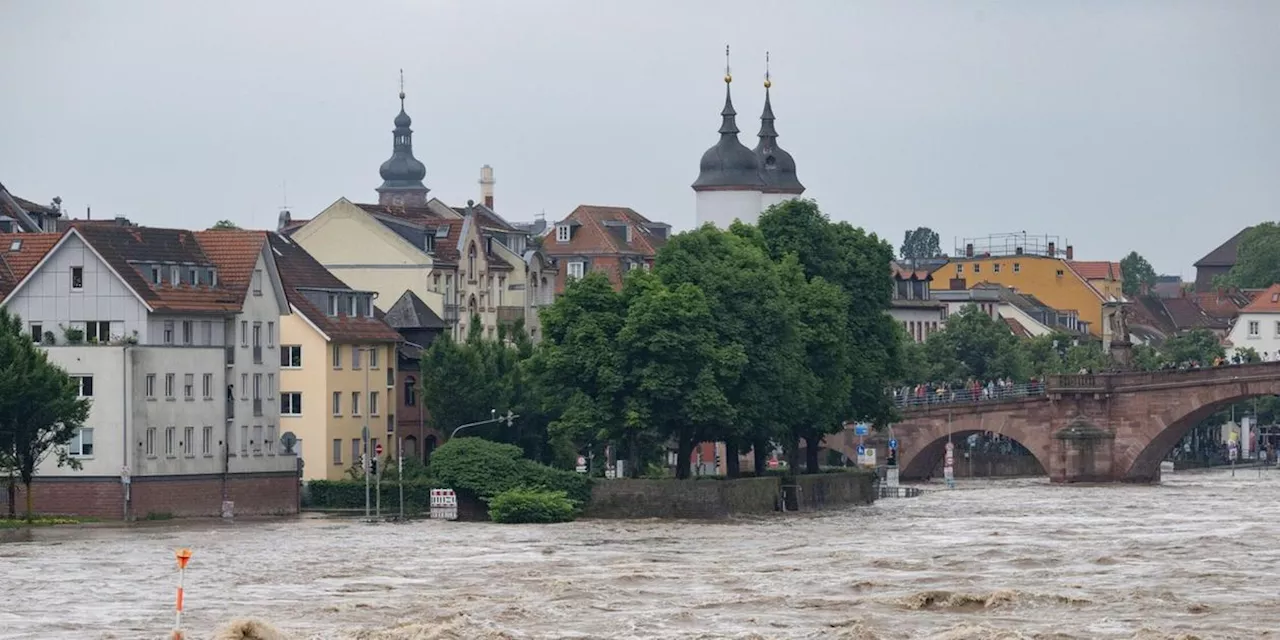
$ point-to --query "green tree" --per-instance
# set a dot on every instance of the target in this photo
(455, 388)
(225, 224)
(1197, 345)
(1137, 274)
(920, 244)
(822, 385)
(973, 345)
(1257, 258)
(40, 407)
(676, 369)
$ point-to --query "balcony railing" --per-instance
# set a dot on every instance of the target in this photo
(509, 315)
(257, 407)
(231, 408)
(231, 355)
(257, 354)
(450, 313)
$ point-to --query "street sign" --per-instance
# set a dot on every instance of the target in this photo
(893, 444)
(862, 450)
(444, 504)
(582, 465)
(861, 429)
(870, 458)
(377, 449)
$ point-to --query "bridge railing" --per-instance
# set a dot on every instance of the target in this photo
(1108, 382)
(965, 395)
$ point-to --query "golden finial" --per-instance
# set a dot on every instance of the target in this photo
(728, 77)
(767, 82)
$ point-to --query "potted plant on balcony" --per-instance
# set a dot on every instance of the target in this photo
(72, 334)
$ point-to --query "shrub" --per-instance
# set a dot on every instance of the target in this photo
(576, 486)
(349, 494)
(519, 506)
(479, 467)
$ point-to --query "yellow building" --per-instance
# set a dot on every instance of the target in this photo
(337, 366)
(1036, 267)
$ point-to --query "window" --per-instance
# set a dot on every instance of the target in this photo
(291, 356)
(562, 232)
(576, 269)
(257, 282)
(212, 275)
(97, 331)
(977, 268)
(410, 391)
(244, 333)
(355, 403)
(168, 332)
(373, 403)
(471, 262)
(355, 357)
(81, 445)
(206, 441)
(170, 437)
(337, 356)
(257, 334)
(257, 386)
(355, 450)
(168, 385)
(244, 439)
(208, 332)
(37, 332)
(189, 442)
(208, 386)
(1017, 267)
(337, 451)
(175, 276)
(189, 386)
(84, 386)
(271, 335)
(150, 442)
(244, 386)
(257, 439)
(291, 403)
(373, 358)
(151, 385)
(188, 332)
(193, 276)
(502, 284)
(1059, 274)
(155, 275)
(333, 305)
(1278, 328)
(429, 243)
(77, 278)
(959, 268)
(337, 403)
(271, 386)
(1253, 328)
(269, 443)
(996, 267)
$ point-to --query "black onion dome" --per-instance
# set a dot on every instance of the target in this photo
(777, 167)
(729, 163)
(402, 170)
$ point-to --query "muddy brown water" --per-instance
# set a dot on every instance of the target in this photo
(1196, 557)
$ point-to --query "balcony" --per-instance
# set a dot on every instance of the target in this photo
(257, 354)
(231, 355)
(450, 314)
(257, 407)
(391, 377)
(231, 408)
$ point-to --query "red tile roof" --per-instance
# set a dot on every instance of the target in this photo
(1221, 305)
(236, 252)
(1016, 327)
(592, 236)
(1268, 301)
(1096, 269)
(299, 271)
(15, 264)
(903, 273)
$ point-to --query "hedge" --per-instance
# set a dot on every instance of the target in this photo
(485, 469)
(349, 494)
(519, 506)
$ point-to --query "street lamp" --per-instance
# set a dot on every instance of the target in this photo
(510, 419)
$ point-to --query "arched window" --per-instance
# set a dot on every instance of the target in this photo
(411, 446)
(471, 261)
(410, 391)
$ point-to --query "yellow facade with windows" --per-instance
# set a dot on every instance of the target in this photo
(334, 400)
(1051, 280)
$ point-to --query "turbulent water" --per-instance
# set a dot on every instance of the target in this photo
(1197, 557)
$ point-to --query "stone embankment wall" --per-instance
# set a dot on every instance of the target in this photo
(993, 465)
(711, 499)
(254, 494)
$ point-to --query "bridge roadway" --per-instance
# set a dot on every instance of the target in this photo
(1114, 427)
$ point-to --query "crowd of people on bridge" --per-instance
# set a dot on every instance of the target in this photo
(970, 391)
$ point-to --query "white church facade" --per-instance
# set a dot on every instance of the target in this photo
(737, 183)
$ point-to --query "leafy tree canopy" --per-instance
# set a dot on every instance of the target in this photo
(1137, 274)
(225, 224)
(1257, 258)
(920, 244)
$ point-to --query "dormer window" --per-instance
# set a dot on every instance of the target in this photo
(333, 305)
(471, 260)
(155, 275)
(16, 245)
(429, 243)
(563, 232)
(628, 234)
(175, 276)
(213, 278)
(351, 306)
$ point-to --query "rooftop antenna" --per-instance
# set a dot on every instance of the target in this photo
(402, 89)
(767, 82)
(728, 77)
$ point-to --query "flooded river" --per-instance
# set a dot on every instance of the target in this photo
(1198, 557)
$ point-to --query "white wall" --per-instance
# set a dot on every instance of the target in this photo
(106, 412)
(721, 208)
(1033, 326)
(161, 412)
(1267, 339)
(925, 317)
(264, 308)
(769, 199)
(47, 296)
(207, 331)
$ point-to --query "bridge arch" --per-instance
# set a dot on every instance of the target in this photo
(1173, 413)
(929, 456)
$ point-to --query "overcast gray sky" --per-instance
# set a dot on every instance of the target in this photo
(1148, 125)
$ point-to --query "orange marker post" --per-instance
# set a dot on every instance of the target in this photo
(183, 556)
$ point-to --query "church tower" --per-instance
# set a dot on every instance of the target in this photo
(402, 174)
(729, 183)
(777, 167)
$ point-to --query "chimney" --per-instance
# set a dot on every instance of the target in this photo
(88, 213)
(1071, 255)
(1017, 251)
(486, 185)
(957, 284)
(968, 250)
(1053, 250)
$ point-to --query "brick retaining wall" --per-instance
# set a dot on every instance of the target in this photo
(177, 496)
(711, 499)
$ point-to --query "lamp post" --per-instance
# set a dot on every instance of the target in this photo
(365, 437)
(510, 419)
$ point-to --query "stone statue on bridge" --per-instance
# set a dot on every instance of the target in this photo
(1121, 346)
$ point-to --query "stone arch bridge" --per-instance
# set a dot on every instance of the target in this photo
(1085, 428)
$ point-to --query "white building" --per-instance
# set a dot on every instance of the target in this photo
(172, 334)
(737, 183)
(913, 305)
(1257, 326)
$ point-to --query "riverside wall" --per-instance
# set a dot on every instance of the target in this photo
(715, 499)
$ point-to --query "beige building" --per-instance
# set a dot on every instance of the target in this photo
(337, 367)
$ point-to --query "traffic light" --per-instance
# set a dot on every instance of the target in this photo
(373, 466)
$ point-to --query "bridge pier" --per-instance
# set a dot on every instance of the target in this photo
(1083, 452)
